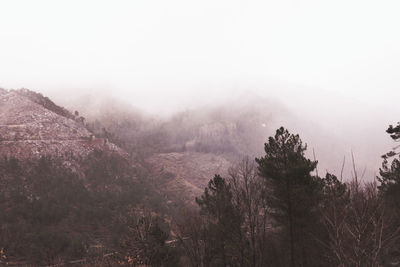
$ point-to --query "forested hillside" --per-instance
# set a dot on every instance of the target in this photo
(67, 195)
(215, 188)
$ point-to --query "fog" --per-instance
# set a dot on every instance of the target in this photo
(332, 65)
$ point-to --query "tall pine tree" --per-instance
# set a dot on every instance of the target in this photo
(292, 192)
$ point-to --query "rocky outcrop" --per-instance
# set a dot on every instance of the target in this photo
(32, 126)
(45, 102)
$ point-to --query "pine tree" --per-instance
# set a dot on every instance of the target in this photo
(223, 221)
(293, 193)
(390, 172)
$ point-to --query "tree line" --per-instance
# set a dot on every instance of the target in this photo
(276, 211)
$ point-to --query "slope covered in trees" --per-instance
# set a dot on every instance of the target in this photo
(152, 202)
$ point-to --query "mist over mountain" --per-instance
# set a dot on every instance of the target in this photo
(222, 132)
(334, 130)
(128, 167)
(207, 133)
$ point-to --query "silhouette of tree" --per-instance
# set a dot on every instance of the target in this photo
(293, 193)
(223, 221)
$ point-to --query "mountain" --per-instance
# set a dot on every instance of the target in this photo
(113, 185)
(31, 126)
(64, 193)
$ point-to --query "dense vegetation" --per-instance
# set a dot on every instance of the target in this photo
(49, 214)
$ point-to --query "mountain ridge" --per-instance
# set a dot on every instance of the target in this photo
(32, 126)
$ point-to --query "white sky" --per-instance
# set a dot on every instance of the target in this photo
(160, 55)
(337, 61)
(158, 51)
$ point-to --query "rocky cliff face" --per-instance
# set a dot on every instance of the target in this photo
(32, 126)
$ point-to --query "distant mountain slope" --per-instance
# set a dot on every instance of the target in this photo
(183, 176)
(32, 125)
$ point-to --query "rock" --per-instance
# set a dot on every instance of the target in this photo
(32, 126)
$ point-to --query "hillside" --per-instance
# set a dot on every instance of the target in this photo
(66, 194)
(183, 176)
(120, 188)
(32, 125)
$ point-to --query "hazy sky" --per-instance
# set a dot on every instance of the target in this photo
(335, 62)
(326, 59)
(170, 51)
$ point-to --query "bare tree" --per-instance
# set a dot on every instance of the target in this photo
(358, 227)
(249, 243)
(248, 190)
(193, 239)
